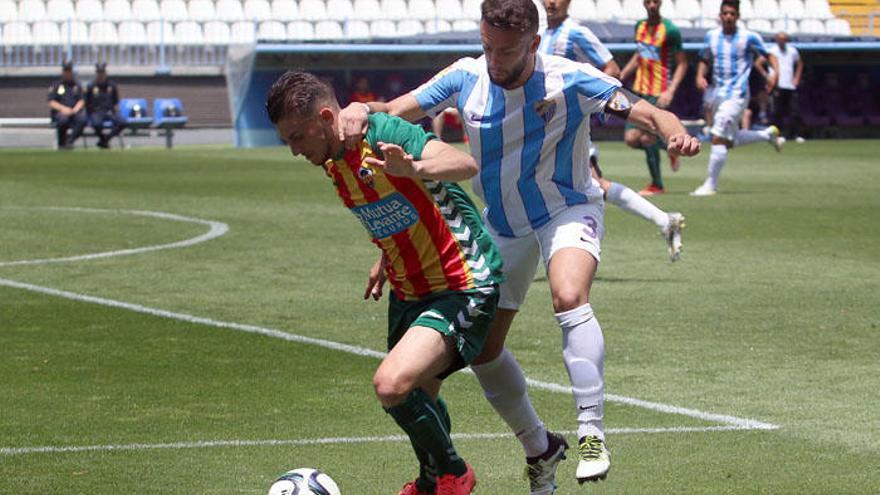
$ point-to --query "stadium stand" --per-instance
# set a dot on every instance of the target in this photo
(284, 10)
(197, 36)
(341, 10)
(242, 32)
(357, 29)
(300, 30)
(59, 10)
(312, 10)
(117, 10)
(687, 13)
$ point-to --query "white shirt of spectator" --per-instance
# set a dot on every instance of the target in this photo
(787, 62)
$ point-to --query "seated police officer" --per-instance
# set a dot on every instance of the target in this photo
(102, 106)
(66, 103)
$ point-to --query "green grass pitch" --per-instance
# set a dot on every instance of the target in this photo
(771, 318)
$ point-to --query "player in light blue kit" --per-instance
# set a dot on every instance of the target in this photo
(527, 116)
(566, 38)
(731, 51)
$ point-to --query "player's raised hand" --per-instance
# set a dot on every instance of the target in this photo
(376, 280)
(397, 161)
(683, 144)
(352, 122)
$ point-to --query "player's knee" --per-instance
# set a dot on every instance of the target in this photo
(568, 298)
(632, 139)
(391, 388)
(491, 351)
(647, 140)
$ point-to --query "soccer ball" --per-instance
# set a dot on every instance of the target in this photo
(304, 481)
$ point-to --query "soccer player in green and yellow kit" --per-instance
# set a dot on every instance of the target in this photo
(658, 43)
(442, 265)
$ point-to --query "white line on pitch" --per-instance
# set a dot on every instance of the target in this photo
(216, 230)
(325, 441)
(739, 423)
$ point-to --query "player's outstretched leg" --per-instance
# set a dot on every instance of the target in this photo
(768, 135)
(670, 224)
(504, 385)
(541, 470)
(672, 234)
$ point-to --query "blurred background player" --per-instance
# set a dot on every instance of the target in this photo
(786, 108)
(447, 126)
(658, 42)
(757, 111)
(441, 262)
(566, 38)
(102, 106)
(731, 51)
(66, 104)
(362, 92)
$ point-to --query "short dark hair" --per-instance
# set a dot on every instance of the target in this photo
(297, 93)
(729, 3)
(521, 15)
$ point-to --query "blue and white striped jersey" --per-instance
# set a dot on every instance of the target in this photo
(574, 42)
(530, 142)
(732, 57)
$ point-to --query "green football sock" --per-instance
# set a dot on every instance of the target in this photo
(444, 413)
(422, 420)
(427, 481)
(652, 154)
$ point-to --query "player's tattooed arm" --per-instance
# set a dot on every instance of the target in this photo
(621, 103)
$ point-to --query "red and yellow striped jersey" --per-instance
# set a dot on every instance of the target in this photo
(430, 231)
(656, 45)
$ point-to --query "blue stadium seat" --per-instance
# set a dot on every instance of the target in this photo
(168, 115)
(135, 113)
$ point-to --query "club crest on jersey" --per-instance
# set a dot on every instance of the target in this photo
(619, 102)
(545, 109)
(366, 175)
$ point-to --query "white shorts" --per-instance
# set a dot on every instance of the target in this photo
(579, 226)
(727, 115)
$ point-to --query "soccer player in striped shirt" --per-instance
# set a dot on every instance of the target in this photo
(566, 38)
(731, 51)
(527, 116)
(443, 266)
(658, 42)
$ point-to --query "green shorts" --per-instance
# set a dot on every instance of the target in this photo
(650, 99)
(464, 316)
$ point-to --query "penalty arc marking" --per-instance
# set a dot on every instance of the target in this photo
(216, 230)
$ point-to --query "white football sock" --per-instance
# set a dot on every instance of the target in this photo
(630, 201)
(716, 162)
(749, 137)
(583, 349)
(504, 386)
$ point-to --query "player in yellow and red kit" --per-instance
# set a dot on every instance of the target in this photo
(443, 266)
(658, 46)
